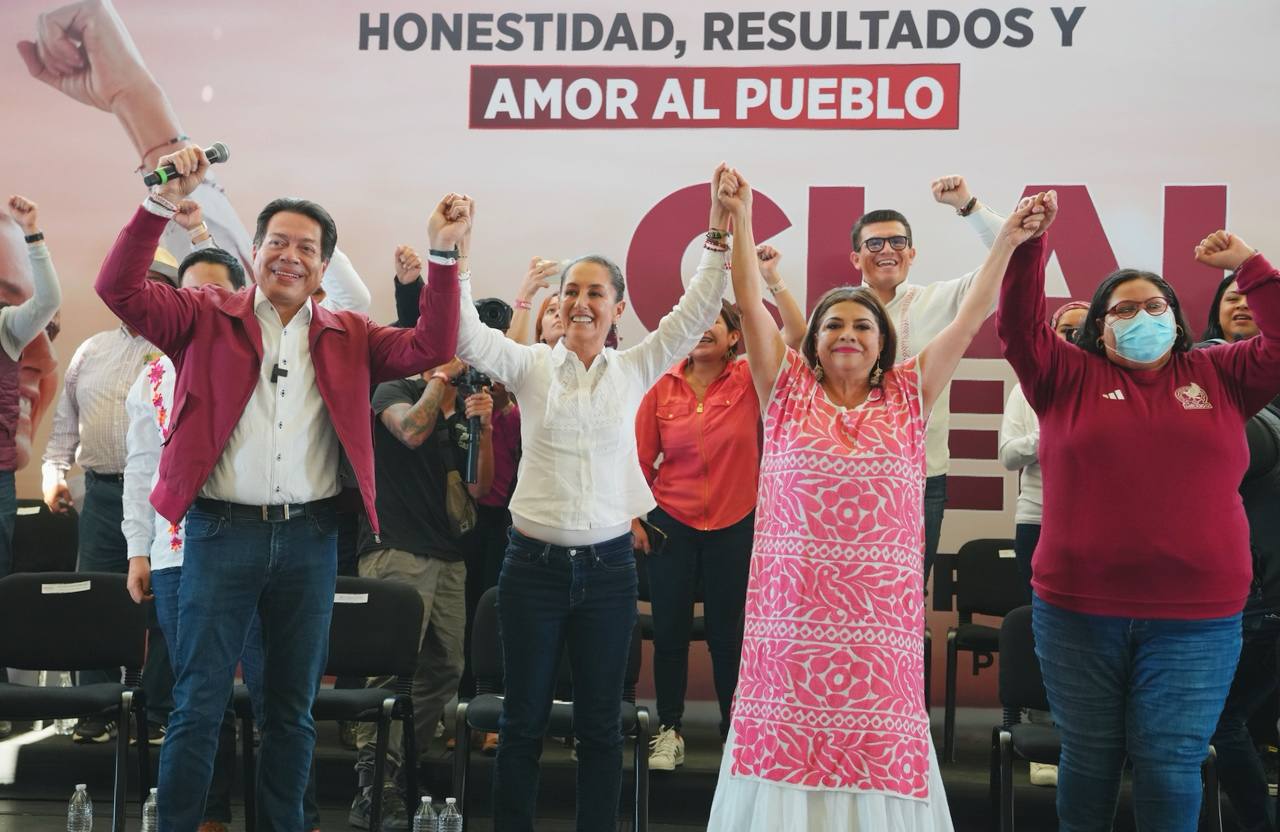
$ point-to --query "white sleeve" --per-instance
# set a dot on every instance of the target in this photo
(1019, 432)
(986, 224)
(681, 328)
(22, 323)
(143, 443)
(343, 288)
(487, 349)
(60, 450)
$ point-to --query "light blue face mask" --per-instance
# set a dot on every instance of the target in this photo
(1144, 338)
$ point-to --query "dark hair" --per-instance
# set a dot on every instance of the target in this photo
(1089, 336)
(307, 208)
(733, 323)
(615, 273)
(864, 296)
(1214, 328)
(218, 257)
(881, 215)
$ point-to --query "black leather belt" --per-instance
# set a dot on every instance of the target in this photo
(266, 514)
(106, 477)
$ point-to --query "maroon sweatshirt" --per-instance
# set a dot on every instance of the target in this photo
(1141, 468)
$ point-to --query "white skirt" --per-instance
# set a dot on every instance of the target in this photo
(745, 804)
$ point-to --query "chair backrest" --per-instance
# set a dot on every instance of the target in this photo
(375, 628)
(987, 579)
(486, 653)
(1021, 685)
(44, 541)
(70, 621)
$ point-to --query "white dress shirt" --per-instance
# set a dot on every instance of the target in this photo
(579, 480)
(919, 313)
(284, 423)
(149, 403)
(89, 423)
(1020, 451)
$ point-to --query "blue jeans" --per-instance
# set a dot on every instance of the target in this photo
(233, 567)
(720, 560)
(935, 505)
(549, 597)
(103, 549)
(1151, 689)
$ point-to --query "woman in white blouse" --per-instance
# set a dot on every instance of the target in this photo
(569, 578)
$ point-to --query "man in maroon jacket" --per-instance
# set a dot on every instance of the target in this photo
(271, 388)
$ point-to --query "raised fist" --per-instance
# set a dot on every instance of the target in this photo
(1223, 250)
(769, 258)
(733, 192)
(189, 215)
(84, 50)
(408, 265)
(951, 190)
(25, 212)
(1029, 219)
(450, 222)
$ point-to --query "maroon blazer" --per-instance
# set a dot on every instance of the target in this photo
(215, 343)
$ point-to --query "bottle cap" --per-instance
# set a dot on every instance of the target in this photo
(451, 800)
(154, 790)
(81, 786)
(426, 798)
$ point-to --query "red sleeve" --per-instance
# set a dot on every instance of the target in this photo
(648, 442)
(1026, 340)
(1253, 365)
(396, 353)
(163, 315)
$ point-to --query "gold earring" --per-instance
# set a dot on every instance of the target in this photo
(818, 373)
(877, 376)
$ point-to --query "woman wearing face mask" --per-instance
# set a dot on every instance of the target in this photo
(569, 576)
(1240, 770)
(829, 729)
(702, 419)
(1143, 562)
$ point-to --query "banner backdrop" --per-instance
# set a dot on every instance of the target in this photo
(581, 130)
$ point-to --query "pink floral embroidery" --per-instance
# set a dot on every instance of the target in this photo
(830, 693)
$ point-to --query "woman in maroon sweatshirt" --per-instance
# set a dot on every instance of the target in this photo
(1143, 564)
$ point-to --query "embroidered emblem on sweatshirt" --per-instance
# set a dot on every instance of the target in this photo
(1193, 397)
(1116, 395)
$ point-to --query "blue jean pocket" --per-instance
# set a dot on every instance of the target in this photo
(202, 526)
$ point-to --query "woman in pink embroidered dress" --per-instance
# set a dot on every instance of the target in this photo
(829, 729)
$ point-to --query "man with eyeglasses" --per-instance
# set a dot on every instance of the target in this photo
(883, 252)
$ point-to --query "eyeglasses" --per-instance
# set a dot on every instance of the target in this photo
(1126, 309)
(897, 242)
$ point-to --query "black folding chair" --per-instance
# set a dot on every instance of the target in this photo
(483, 712)
(374, 632)
(1022, 686)
(77, 621)
(44, 541)
(986, 583)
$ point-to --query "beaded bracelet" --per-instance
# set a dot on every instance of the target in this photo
(181, 137)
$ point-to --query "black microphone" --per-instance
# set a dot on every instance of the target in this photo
(216, 153)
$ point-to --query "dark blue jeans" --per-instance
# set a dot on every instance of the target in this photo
(233, 567)
(721, 561)
(1026, 536)
(1151, 689)
(549, 597)
(1239, 767)
(103, 549)
(935, 505)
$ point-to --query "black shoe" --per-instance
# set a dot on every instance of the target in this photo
(94, 729)
(155, 734)
(394, 818)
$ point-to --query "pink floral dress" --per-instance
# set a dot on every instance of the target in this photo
(830, 693)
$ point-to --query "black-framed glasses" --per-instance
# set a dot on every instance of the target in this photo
(897, 242)
(1126, 309)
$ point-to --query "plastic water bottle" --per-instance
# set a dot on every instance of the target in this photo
(151, 814)
(450, 819)
(424, 820)
(80, 811)
(65, 727)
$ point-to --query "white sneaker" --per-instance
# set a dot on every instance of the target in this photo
(1043, 774)
(666, 751)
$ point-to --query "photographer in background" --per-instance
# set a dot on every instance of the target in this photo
(425, 508)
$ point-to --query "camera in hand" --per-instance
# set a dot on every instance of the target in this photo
(495, 313)
(469, 382)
